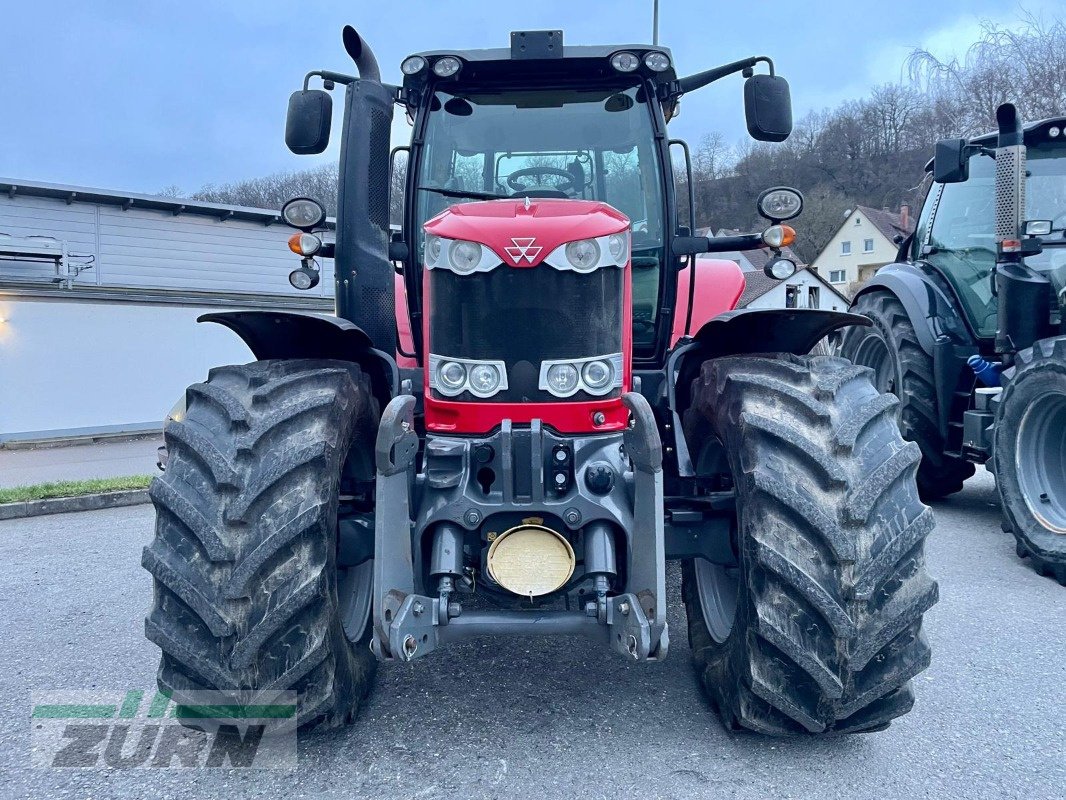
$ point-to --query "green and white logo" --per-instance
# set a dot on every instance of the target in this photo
(136, 729)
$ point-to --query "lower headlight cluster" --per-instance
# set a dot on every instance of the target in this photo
(453, 376)
(596, 376)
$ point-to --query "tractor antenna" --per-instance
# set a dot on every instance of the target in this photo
(655, 22)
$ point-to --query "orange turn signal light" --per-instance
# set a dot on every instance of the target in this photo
(305, 244)
(778, 236)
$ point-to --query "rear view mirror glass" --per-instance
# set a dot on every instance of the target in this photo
(950, 162)
(768, 108)
(308, 121)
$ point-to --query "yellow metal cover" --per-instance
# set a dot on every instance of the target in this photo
(531, 560)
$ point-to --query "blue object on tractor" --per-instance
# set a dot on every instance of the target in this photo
(985, 370)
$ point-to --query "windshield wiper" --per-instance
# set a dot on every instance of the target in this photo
(464, 193)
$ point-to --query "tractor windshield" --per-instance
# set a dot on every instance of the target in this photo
(962, 245)
(593, 144)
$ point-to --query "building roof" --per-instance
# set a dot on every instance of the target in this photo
(758, 283)
(888, 223)
(13, 187)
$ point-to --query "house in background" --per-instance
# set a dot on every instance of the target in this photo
(805, 289)
(867, 240)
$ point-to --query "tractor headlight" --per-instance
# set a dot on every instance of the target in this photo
(657, 62)
(583, 255)
(464, 256)
(452, 374)
(597, 374)
(433, 247)
(412, 65)
(562, 379)
(447, 66)
(586, 255)
(303, 213)
(484, 379)
(625, 62)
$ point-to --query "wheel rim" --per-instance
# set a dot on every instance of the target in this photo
(873, 352)
(718, 588)
(355, 592)
(1040, 460)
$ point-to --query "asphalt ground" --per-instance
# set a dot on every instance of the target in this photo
(515, 718)
(26, 467)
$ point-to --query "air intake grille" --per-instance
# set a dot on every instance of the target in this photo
(1010, 191)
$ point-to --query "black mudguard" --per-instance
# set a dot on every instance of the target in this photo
(304, 334)
(933, 311)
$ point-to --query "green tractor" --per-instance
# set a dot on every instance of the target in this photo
(968, 328)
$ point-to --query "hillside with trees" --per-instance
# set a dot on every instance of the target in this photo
(869, 151)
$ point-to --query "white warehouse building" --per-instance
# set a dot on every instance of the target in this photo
(99, 295)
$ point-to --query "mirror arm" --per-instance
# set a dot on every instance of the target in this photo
(692, 245)
(701, 79)
(328, 77)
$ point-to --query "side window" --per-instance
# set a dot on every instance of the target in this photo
(867, 245)
(845, 248)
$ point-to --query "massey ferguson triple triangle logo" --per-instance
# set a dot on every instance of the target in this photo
(523, 248)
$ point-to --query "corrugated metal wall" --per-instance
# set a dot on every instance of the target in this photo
(156, 249)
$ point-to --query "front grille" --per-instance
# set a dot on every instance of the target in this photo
(523, 317)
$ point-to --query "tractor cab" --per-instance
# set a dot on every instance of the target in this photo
(957, 234)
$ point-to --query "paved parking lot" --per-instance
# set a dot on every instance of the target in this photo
(534, 719)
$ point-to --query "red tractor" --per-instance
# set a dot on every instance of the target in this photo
(532, 396)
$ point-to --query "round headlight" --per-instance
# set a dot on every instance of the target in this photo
(412, 65)
(780, 268)
(657, 62)
(464, 256)
(447, 66)
(625, 62)
(433, 245)
(597, 374)
(616, 244)
(452, 374)
(303, 278)
(484, 378)
(562, 378)
(780, 204)
(303, 213)
(583, 255)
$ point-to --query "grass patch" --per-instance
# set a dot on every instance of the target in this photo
(44, 491)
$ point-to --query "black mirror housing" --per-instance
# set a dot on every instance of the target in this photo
(768, 108)
(951, 162)
(308, 121)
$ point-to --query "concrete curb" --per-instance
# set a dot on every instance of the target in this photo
(62, 505)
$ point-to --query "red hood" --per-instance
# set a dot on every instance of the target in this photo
(550, 223)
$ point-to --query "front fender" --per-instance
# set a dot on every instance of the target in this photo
(932, 312)
(304, 334)
(746, 330)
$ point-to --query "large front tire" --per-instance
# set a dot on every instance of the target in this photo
(891, 349)
(244, 559)
(1029, 455)
(827, 602)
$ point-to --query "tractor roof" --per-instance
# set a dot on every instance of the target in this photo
(1033, 132)
(540, 56)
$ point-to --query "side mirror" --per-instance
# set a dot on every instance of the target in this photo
(768, 108)
(951, 163)
(308, 121)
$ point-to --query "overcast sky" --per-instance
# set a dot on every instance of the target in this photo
(138, 95)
